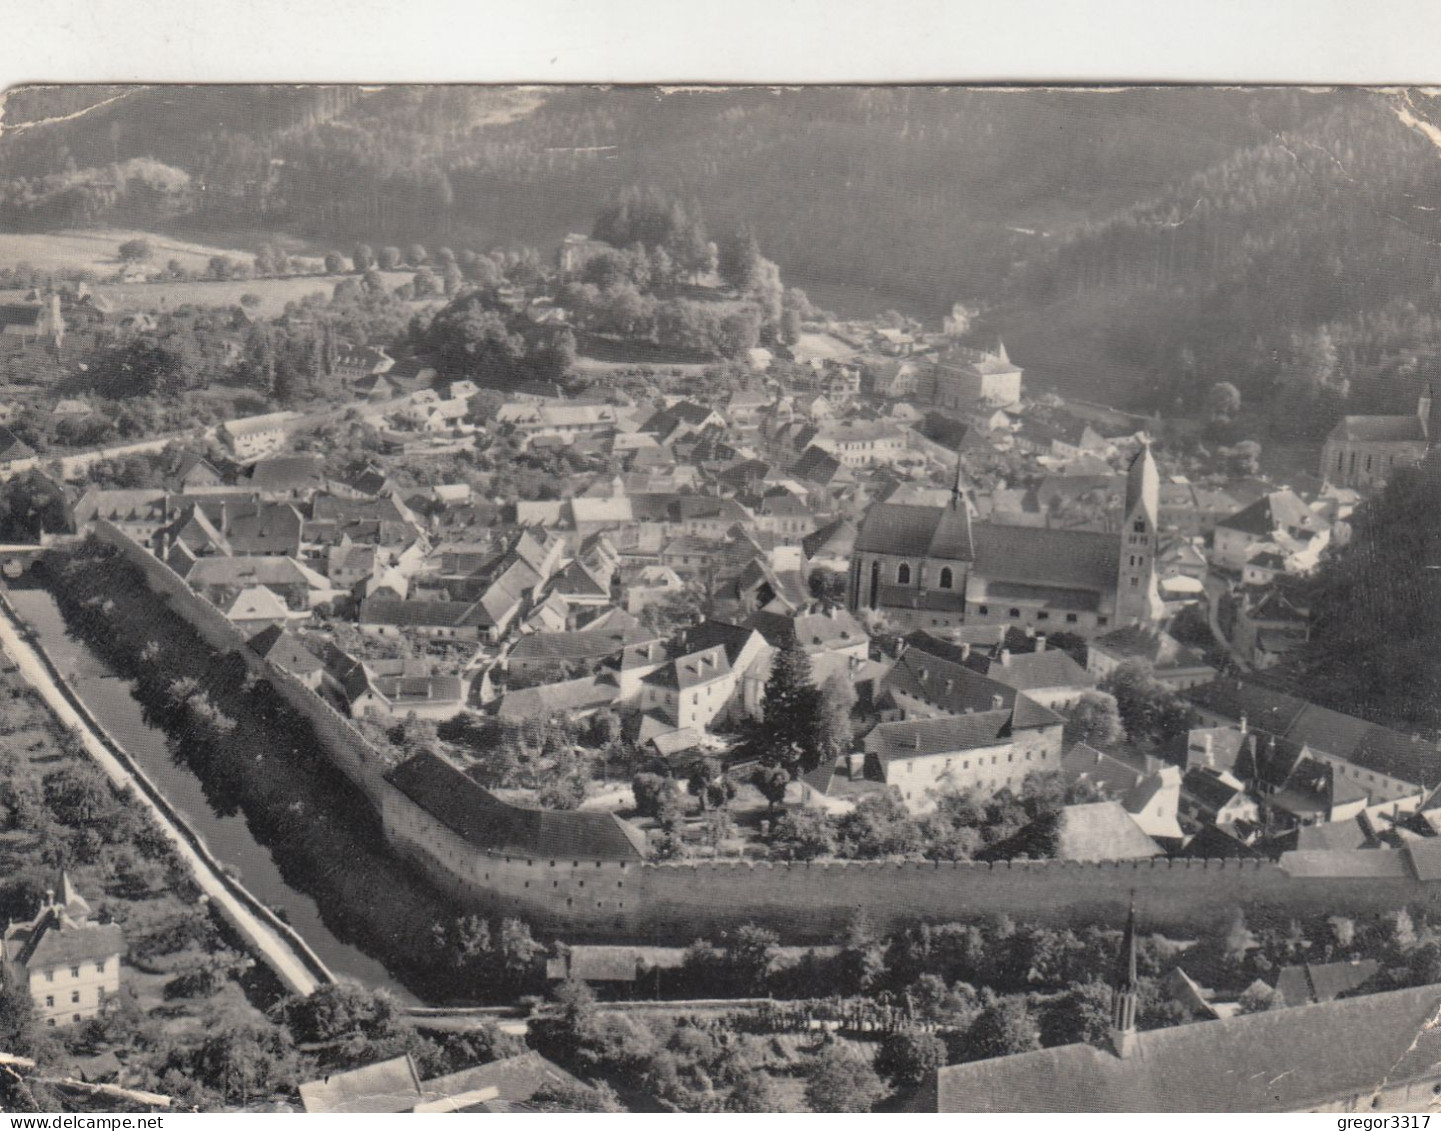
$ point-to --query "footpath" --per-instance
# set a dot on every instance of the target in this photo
(292, 962)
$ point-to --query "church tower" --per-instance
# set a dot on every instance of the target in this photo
(1138, 601)
(1125, 990)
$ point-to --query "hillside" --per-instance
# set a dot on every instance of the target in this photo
(1303, 269)
(922, 195)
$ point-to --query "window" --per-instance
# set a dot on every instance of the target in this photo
(1043, 616)
(903, 574)
(1070, 618)
(1135, 581)
(984, 610)
(74, 997)
(946, 577)
(1103, 621)
(50, 975)
(1140, 527)
(49, 1001)
(50, 1021)
(1015, 613)
(75, 971)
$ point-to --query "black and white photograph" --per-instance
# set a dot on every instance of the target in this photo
(719, 598)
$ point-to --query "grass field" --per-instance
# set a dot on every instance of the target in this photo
(97, 250)
(273, 293)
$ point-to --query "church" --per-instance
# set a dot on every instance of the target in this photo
(1362, 451)
(931, 567)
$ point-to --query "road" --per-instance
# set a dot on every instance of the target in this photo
(264, 940)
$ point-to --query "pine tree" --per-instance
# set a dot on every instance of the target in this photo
(789, 734)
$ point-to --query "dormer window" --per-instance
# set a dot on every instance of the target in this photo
(903, 574)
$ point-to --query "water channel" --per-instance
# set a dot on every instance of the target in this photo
(108, 698)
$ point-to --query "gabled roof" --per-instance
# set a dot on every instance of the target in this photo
(955, 689)
(491, 825)
(1060, 559)
(917, 532)
(1160, 649)
(1379, 429)
(1280, 1060)
(288, 473)
(571, 695)
(283, 650)
(12, 447)
(950, 734)
(257, 603)
(387, 1086)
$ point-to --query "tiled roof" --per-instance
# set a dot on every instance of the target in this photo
(1160, 649)
(1281, 1060)
(1027, 671)
(545, 647)
(492, 825)
(283, 650)
(384, 1087)
(553, 698)
(1063, 559)
(918, 738)
(954, 688)
(516, 1078)
(1379, 429)
(917, 532)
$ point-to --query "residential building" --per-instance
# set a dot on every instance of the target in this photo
(1174, 664)
(66, 960)
(250, 437)
(967, 378)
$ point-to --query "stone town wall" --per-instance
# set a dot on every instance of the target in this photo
(803, 901)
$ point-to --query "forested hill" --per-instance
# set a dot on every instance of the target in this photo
(1305, 269)
(925, 194)
(1138, 246)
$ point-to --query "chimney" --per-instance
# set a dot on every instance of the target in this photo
(915, 740)
(1208, 745)
(49, 897)
(965, 650)
(855, 766)
(1243, 724)
(998, 702)
(1040, 642)
(1004, 655)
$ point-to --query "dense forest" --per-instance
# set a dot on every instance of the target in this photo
(1137, 246)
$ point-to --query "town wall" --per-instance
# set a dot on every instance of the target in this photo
(679, 902)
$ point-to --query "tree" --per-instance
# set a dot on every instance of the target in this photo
(1148, 708)
(749, 955)
(245, 1062)
(1094, 719)
(1223, 401)
(647, 789)
(1004, 1028)
(740, 258)
(772, 781)
(754, 1092)
(135, 251)
(708, 783)
(334, 263)
(567, 1097)
(31, 503)
(17, 1020)
(416, 255)
(363, 258)
(837, 700)
(827, 586)
(389, 258)
(788, 735)
(803, 834)
(1082, 1015)
(841, 1079)
(908, 1057)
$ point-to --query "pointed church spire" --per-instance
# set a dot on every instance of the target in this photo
(1124, 990)
(1001, 354)
(958, 488)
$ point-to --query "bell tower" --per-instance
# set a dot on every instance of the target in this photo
(1138, 601)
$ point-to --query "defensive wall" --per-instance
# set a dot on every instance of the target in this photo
(635, 901)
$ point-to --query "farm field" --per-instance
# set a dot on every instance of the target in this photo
(273, 293)
(97, 250)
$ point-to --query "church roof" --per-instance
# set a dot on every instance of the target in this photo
(1062, 559)
(917, 532)
(1379, 429)
(1280, 1060)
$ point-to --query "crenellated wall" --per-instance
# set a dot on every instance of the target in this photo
(678, 902)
